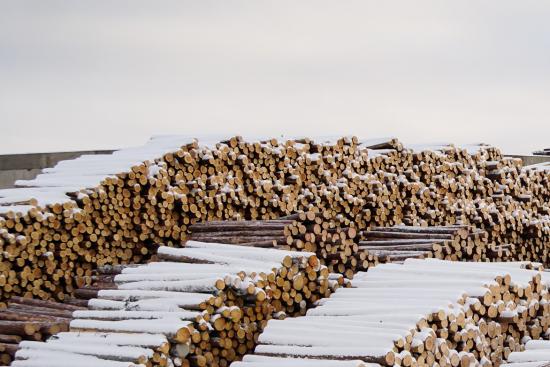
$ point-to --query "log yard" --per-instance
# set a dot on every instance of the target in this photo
(341, 252)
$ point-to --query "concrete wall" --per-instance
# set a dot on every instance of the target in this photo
(15, 167)
(530, 159)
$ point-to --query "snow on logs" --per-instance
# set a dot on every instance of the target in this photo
(252, 360)
(344, 251)
(204, 305)
(421, 313)
(112, 209)
(306, 231)
(536, 354)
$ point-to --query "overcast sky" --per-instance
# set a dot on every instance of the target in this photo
(108, 74)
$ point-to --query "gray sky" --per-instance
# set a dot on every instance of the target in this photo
(107, 74)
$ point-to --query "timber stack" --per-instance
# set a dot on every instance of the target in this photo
(116, 208)
(454, 242)
(421, 313)
(344, 251)
(309, 231)
(203, 305)
(31, 319)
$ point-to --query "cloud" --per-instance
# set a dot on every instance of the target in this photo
(102, 74)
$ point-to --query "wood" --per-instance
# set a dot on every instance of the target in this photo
(31, 320)
(309, 231)
(8, 348)
(416, 322)
(211, 320)
(56, 229)
(11, 339)
(44, 304)
(457, 242)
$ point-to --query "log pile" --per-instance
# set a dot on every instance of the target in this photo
(421, 313)
(345, 252)
(115, 209)
(454, 242)
(307, 231)
(30, 319)
(203, 305)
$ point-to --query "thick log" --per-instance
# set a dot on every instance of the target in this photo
(377, 234)
(10, 339)
(44, 304)
(397, 242)
(8, 348)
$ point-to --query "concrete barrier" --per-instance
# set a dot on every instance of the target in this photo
(15, 167)
(529, 160)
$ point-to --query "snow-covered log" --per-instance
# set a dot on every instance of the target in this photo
(167, 313)
(423, 312)
(113, 209)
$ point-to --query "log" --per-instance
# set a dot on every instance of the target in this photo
(10, 339)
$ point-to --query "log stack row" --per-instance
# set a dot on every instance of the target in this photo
(113, 209)
(345, 252)
(307, 231)
(203, 305)
(30, 319)
(421, 313)
(454, 242)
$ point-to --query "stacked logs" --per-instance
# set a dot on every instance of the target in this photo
(203, 305)
(454, 242)
(288, 288)
(113, 209)
(30, 319)
(421, 313)
(76, 216)
(343, 252)
(308, 231)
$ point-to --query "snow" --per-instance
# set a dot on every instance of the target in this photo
(87, 172)
(537, 344)
(157, 302)
(324, 351)
(167, 327)
(366, 320)
(265, 361)
(148, 304)
(134, 339)
(200, 285)
(124, 314)
(536, 353)
(263, 260)
(46, 358)
(129, 353)
(545, 166)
